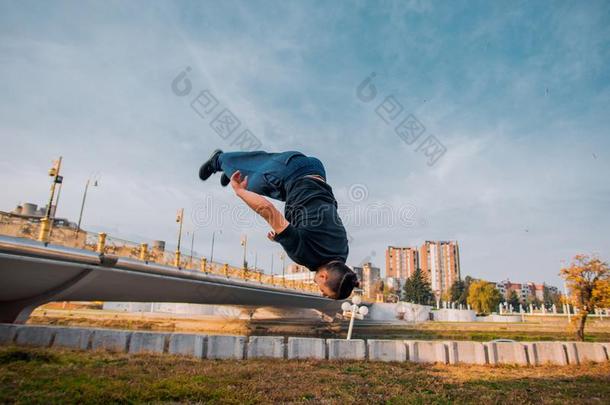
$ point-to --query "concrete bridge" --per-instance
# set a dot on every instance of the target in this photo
(32, 274)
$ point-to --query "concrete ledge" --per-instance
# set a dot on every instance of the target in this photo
(547, 353)
(467, 353)
(583, 352)
(73, 338)
(7, 333)
(266, 347)
(226, 347)
(111, 340)
(421, 351)
(184, 344)
(39, 336)
(306, 348)
(507, 353)
(147, 342)
(387, 350)
(341, 349)
(239, 347)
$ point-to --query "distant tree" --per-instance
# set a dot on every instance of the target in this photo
(551, 297)
(535, 301)
(483, 296)
(390, 294)
(462, 288)
(547, 298)
(588, 279)
(378, 286)
(417, 289)
(456, 291)
(513, 299)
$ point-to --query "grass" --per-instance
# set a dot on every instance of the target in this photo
(486, 336)
(62, 376)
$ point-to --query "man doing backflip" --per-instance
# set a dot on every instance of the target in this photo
(310, 231)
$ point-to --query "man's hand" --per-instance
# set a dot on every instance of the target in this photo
(259, 204)
(238, 183)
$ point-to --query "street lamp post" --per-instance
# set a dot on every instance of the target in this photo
(56, 205)
(244, 243)
(179, 219)
(283, 257)
(212, 252)
(82, 206)
(192, 247)
(43, 235)
(354, 311)
(271, 263)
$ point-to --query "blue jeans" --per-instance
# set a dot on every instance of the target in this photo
(270, 174)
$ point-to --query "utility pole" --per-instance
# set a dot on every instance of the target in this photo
(82, 205)
(283, 257)
(192, 246)
(179, 219)
(244, 243)
(271, 263)
(55, 210)
(43, 235)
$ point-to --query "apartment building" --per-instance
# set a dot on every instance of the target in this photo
(438, 260)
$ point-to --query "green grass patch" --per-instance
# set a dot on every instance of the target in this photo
(49, 376)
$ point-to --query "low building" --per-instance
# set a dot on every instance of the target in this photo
(525, 291)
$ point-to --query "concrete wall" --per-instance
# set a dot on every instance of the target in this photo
(499, 318)
(454, 315)
(428, 351)
(278, 347)
(306, 348)
(389, 312)
(507, 353)
(220, 311)
(547, 353)
(467, 352)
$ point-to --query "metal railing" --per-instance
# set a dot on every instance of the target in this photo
(29, 227)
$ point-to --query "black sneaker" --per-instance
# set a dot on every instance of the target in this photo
(224, 180)
(209, 167)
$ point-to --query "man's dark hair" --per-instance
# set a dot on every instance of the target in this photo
(341, 279)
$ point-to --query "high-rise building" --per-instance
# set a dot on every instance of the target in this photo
(401, 262)
(370, 276)
(440, 263)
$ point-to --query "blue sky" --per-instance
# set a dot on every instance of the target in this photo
(517, 92)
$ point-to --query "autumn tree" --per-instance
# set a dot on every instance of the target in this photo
(417, 289)
(483, 296)
(588, 280)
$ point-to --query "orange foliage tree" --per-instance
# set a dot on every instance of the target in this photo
(588, 279)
